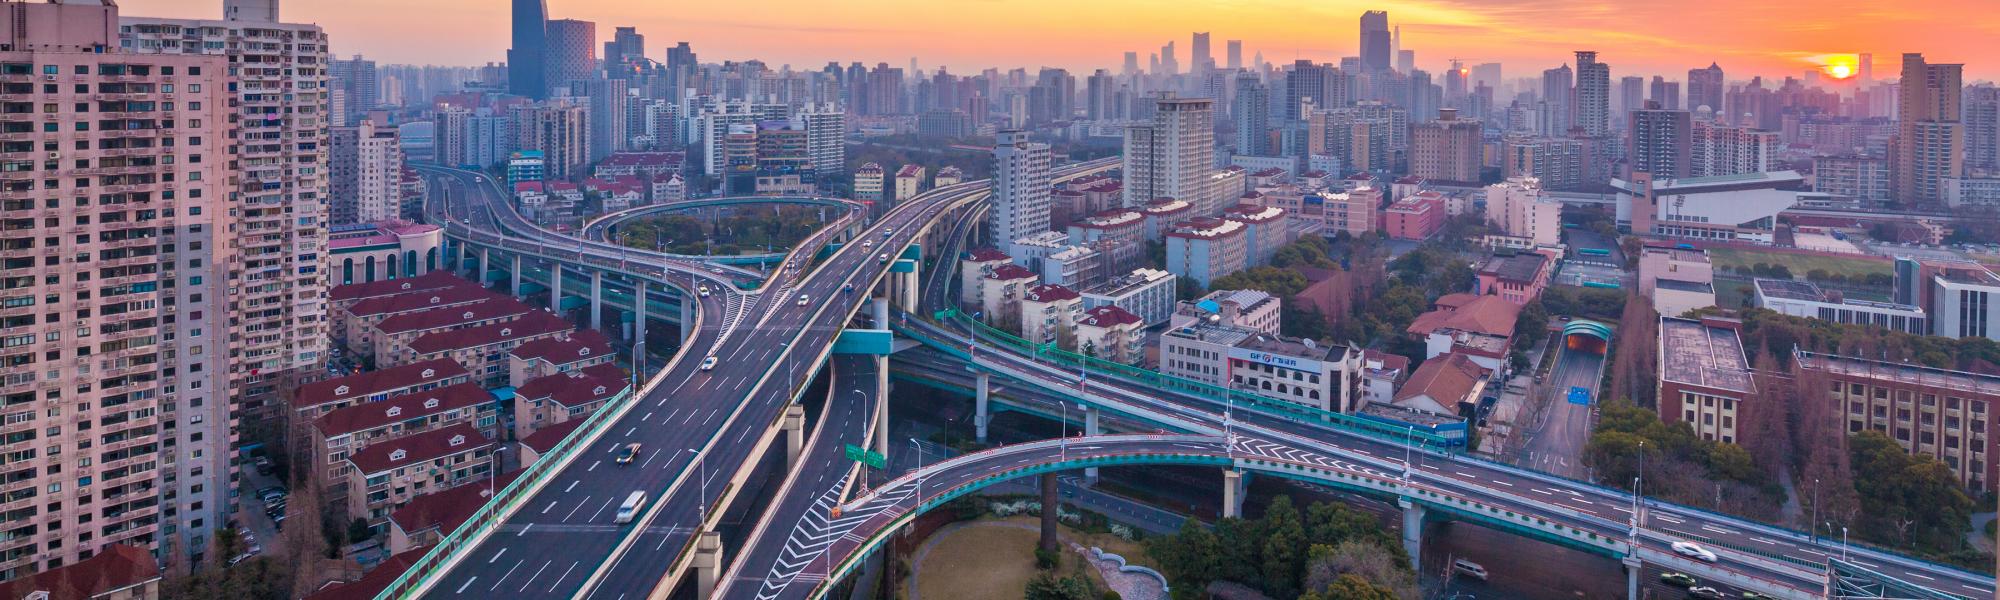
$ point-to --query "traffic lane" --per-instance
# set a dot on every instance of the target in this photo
(824, 467)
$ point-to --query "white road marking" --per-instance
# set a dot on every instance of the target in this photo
(524, 530)
(579, 506)
(1543, 491)
(600, 510)
(593, 466)
(468, 583)
(560, 578)
(629, 432)
(572, 485)
(503, 576)
(1718, 530)
(1763, 541)
(545, 510)
(496, 556)
(531, 578)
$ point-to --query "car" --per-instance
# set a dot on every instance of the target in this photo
(708, 364)
(888, 231)
(1690, 550)
(267, 493)
(1468, 569)
(1677, 579)
(884, 258)
(630, 509)
(703, 290)
(866, 244)
(847, 289)
(1757, 596)
(804, 299)
(1706, 593)
(627, 453)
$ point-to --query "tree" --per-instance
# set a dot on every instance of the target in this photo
(1908, 499)
(1369, 563)
(1188, 558)
(1532, 325)
(1047, 586)
(1284, 537)
(1349, 587)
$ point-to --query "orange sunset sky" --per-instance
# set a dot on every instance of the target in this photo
(1768, 37)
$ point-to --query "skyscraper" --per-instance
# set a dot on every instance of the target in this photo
(1982, 127)
(1020, 189)
(1174, 155)
(355, 80)
(1131, 64)
(1100, 93)
(1865, 68)
(1593, 94)
(367, 172)
(1705, 88)
(1447, 149)
(1658, 141)
(1199, 59)
(561, 131)
(280, 238)
(527, 73)
(1631, 96)
(1375, 54)
(572, 52)
(625, 54)
(1667, 93)
(1554, 116)
(126, 436)
(1929, 140)
(1251, 110)
(1307, 82)
(1235, 54)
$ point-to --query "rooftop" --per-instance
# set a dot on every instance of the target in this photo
(910, 171)
(1050, 292)
(1205, 228)
(1448, 377)
(1405, 415)
(579, 387)
(115, 567)
(1698, 353)
(546, 438)
(426, 446)
(1212, 334)
(1523, 267)
(1284, 346)
(360, 385)
(371, 415)
(402, 303)
(1165, 206)
(529, 325)
(429, 281)
(1251, 213)
(495, 306)
(1981, 384)
(446, 510)
(1011, 271)
(1109, 218)
(1481, 314)
(576, 347)
(643, 159)
(377, 579)
(1109, 315)
(986, 255)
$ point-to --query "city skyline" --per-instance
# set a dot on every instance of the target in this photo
(1796, 35)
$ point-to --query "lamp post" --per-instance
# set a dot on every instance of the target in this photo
(1409, 443)
(493, 482)
(704, 485)
(919, 449)
(1814, 536)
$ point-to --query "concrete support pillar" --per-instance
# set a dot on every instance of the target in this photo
(639, 300)
(555, 287)
(909, 293)
(882, 404)
(1631, 577)
(1232, 494)
(1051, 506)
(707, 563)
(517, 278)
(881, 313)
(794, 425)
(1090, 427)
(1413, 531)
(485, 264)
(596, 299)
(984, 412)
(688, 301)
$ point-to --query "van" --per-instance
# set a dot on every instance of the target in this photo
(1469, 569)
(630, 509)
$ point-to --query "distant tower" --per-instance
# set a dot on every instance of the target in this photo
(1235, 54)
(526, 73)
(571, 53)
(1593, 94)
(1199, 59)
(1375, 54)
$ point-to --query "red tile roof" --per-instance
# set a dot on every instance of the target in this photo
(387, 287)
(370, 415)
(446, 510)
(527, 186)
(1109, 315)
(1050, 292)
(422, 447)
(986, 255)
(115, 567)
(576, 347)
(1011, 271)
(402, 303)
(1490, 315)
(496, 307)
(378, 381)
(534, 324)
(371, 584)
(546, 438)
(596, 383)
(1448, 377)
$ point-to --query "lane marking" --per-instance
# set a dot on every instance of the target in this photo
(503, 576)
(531, 578)
(552, 504)
(579, 506)
(560, 578)
(468, 583)
(600, 510)
(572, 485)
(524, 530)
(497, 555)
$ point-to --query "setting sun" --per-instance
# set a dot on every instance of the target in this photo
(1840, 71)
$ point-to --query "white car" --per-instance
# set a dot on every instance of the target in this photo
(704, 291)
(708, 364)
(804, 300)
(1688, 549)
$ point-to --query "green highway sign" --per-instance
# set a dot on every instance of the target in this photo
(867, 457)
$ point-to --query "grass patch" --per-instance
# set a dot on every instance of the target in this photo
(1854, 268)
(993, 559)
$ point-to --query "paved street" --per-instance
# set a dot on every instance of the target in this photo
(1555, 443)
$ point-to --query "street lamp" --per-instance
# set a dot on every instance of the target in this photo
(704, 485)
(1814, 536)
(919, 448)
(493, 482)
(1409, 443)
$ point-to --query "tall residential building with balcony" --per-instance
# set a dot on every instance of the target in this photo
(560, 131)
(367, 166)
(117, 422)
(1020, 189)
(1447, 149)
(1929, 142)
(1174, 155)
(276, 281)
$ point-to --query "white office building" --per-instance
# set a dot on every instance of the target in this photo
(1020, 190)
